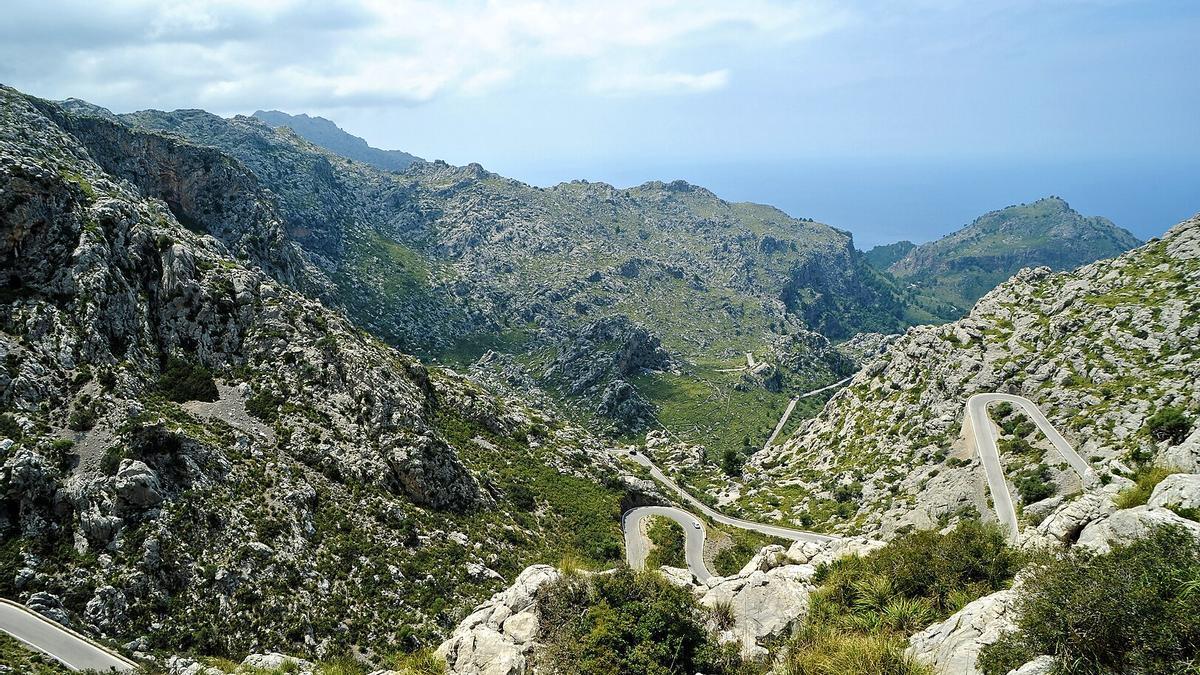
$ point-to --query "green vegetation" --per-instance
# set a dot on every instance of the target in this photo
(746, 544)
(627, 623)
(581, 517)
(828, 651)
(1033, 483)
(420, 662)
(668, 539)
(1134, 610)
(1169, 424)
(264, 404)
(182, 381)
(865, 607)
(961, 267)
(84, 415)
(1145, 480)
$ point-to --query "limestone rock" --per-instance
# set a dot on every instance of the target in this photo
(1181, 490)
(137, 485)
(951, 647)
(497, 637)
(765, 603)
(277, 662)
(1064, 524)
(1128, 525)
(1042, 665)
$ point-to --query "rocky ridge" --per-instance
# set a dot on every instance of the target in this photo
(962, 266)
(1099, 349)
(199, 457)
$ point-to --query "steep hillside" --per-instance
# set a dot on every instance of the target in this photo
(960, 267)
(665, 284)
(323, 132)
(885, 255)
(1100, 350)
(200, 457)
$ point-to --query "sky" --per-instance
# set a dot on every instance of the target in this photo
(892, 119)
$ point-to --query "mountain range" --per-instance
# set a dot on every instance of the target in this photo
(269, 391)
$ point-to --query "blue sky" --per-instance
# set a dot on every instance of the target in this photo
(890, 119)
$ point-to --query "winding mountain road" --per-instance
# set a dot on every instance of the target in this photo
(60, 643)
(787, 413)
(637, 546)
(979, 430)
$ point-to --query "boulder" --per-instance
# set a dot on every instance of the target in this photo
(106, 611)
(951, 647)
(1042, 665)
(1181, 490)
(1129, 525)
(818, 553)
(768, 558)
(49, 606)
(1064, 524)
(497, 637)
(1184, 456)
(137, 484)
(275, 662)
(765, 604)
(182, 665)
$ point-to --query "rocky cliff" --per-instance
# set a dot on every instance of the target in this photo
(196, 456)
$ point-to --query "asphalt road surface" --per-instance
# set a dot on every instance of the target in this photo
(637, 544)
(984, 436)
(65, 645)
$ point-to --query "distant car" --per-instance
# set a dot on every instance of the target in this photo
(696, 524)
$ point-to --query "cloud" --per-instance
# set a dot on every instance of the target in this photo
(228, 55)
(629, 83)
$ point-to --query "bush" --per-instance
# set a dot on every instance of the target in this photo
(626, 623)
(865, 608)
(9, 427)
(1169, 424)
(1034, 484)
(1133, 610)
(110, 461)
(264, 405)
(83, 417)
(825, 651)
(731, 462)
(668, 543)
(1145, 480)
(421, 662)
(930, 565)
(182, 381)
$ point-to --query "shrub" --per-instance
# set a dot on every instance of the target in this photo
(668, 543)
(626, 623)
(110, 461)
(1169, 424)
(930, 565)
(1145, 480)
(1034, 484)
(421, 662)
(825, 651)
(264, 405)
(9, 427)
(182, 381)
(1133, 610)
(731, 462)
(83, 417)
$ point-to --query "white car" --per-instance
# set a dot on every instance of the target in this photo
(696, 524)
